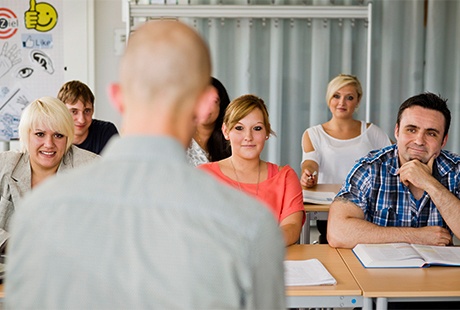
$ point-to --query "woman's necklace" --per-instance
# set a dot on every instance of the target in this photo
(199, 142)
(238, 180)
(197, 137)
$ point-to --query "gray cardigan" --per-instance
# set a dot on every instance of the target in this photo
(16, 177)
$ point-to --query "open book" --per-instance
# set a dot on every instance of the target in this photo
(306, 272)
(398, 255)
(322, 198)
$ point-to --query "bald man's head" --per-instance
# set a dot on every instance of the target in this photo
(165, 78)
(164, 60)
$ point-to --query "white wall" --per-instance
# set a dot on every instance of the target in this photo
(78, 23)
(89, 52)
(107, 20)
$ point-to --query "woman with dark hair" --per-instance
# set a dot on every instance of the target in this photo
(208, 143)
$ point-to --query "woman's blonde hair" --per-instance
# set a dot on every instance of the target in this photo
(340, 81)
(240, 107)
(49, 112)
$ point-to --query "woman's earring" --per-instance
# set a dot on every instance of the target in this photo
(266, 137)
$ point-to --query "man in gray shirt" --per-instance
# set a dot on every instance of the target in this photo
(141, 228)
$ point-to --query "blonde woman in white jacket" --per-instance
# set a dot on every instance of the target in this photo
(46, 134)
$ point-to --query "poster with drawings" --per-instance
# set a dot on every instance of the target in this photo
(31, 57)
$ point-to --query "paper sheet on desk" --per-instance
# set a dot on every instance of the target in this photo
(306, 272)
(322, 198)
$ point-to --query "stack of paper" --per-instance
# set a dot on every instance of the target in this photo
(323, 198)
(306, 272)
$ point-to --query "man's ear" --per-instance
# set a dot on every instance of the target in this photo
(444, 141)
(115, 95)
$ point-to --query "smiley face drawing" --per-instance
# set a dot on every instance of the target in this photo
(40, 16)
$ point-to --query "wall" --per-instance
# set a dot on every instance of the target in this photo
(107, 21)
(406, 60)
(78, 28)
(89, 50)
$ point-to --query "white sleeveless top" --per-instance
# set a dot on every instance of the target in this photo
(336, 157)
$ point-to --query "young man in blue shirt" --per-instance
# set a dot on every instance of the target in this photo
(90, 134)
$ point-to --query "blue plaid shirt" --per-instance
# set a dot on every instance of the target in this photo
(373, 185)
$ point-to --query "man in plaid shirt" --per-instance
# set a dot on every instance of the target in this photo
(406, 192)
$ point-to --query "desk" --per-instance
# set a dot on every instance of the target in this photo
(403, 284)
(346, 293)
(316, 211)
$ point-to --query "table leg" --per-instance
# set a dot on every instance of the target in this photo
(367, 303)
(382, 303)
(305, 234)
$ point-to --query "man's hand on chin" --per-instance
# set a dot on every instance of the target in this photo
(417, 173)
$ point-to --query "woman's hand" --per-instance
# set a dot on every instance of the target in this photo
(308, 179)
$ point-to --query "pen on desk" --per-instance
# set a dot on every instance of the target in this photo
(312, 175)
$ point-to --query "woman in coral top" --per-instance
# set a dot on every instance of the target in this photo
(246, 126)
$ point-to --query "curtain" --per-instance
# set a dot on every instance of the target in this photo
(289, 62)
(415, 49)
(442, 56)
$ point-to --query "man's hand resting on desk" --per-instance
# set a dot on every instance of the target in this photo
(347, 227)
(432, 235)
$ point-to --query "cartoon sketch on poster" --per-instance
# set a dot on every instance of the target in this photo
(8, 58)
(8, 23)
(41, 16)
(12, 102)
(37, 40)
(24, 73)
(42, 60)
(31, 57)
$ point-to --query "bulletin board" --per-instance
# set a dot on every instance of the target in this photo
(31, 57)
